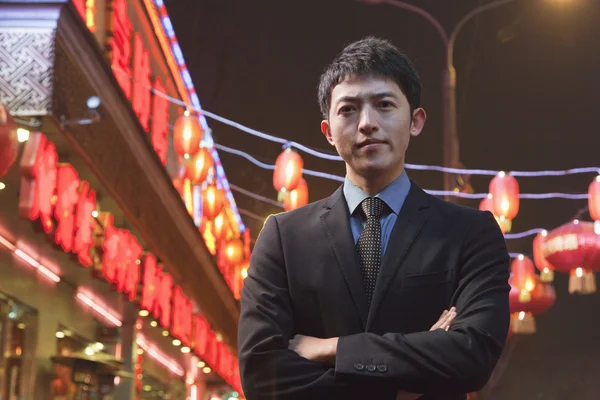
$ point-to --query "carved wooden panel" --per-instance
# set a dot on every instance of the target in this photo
(26, 64)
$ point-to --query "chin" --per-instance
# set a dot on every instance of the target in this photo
(373, 171)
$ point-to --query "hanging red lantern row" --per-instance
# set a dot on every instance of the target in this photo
(221, 225)
(594, 199)
(9, 142)
(288, 170)
(546, 269)
(223, 262)
(247, 243)
(522, 315)
(241, 274)
(206, 230)
(504, 189)
(523, 275)
(234, 251)
(187, 135)
(199, 165)
(213, 201)
(297, 197)
(178, 184)
(574, 248)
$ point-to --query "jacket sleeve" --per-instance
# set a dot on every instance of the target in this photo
(268, 369)
(462, 359)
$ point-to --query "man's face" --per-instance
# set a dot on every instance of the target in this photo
(370, 124)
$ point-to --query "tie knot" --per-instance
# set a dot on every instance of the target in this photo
(373, 207)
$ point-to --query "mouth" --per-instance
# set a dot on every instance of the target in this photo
(370, 143)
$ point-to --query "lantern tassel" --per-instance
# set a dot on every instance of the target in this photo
(505, 224)
(522, 323)
(584, 284)
(547, 275)
(524, 296)
(282, 195)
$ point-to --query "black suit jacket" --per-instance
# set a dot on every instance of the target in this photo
(304, 278)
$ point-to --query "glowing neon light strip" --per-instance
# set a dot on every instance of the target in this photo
(171, 364)
(29, 260)
(89, 300)
(112, 317)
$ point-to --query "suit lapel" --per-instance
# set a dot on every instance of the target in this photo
(411, 219)
(336, 221)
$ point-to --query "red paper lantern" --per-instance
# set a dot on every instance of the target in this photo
(288, 170)
(523, 275)
(187, 135)
(198, 166)
(522, 313)
(546, 269)
(575, 248)
(505, 195)
(241, 274)
(9, 143)
(213, 201)
(234, 251)
(178, 184)
(594, 199)
(297, 197)
(487, 205)
(221, 226)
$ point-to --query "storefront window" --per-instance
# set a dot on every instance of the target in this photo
(81, 369)
(17, 341)
(153, 389)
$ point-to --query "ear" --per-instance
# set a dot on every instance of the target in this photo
(325, 129)
(418, 121)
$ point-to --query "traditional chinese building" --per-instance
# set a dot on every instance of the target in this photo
(119, 274)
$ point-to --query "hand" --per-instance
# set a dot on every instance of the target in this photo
(315, 349)
(445, 320)
(443, 323)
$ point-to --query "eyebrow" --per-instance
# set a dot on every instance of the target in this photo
(378, 95)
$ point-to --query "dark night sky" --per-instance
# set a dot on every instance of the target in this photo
(526, 103)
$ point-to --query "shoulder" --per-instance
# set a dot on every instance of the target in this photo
(460, 216)
(447, 209)
(302, 213)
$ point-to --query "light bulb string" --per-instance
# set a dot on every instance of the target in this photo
(320, 154)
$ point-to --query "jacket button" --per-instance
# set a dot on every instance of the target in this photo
(359, 367)
(371, 368)
(381, 368)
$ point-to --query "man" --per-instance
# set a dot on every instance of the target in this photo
(341, 294)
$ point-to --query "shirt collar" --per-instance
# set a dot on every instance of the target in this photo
(393, 194)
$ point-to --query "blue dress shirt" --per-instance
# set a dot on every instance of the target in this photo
(393, 195)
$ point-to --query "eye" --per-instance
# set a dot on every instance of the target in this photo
(386, 104)
(346, 109)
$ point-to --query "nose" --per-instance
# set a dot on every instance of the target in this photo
(368, 121)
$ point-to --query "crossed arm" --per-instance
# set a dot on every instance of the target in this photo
(323, 351)
(459, 360)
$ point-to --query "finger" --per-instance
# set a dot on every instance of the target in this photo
(449, 320)
(445, 323)
(439, 323)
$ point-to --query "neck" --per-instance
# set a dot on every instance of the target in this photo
(374, 183)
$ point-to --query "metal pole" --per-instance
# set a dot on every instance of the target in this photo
(450, 134)
(451, 151)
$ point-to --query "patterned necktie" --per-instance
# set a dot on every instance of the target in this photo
(369, 244)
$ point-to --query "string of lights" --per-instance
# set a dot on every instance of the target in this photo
(535, 196)
(323, 155)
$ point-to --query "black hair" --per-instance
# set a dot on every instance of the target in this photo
(371, 56)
